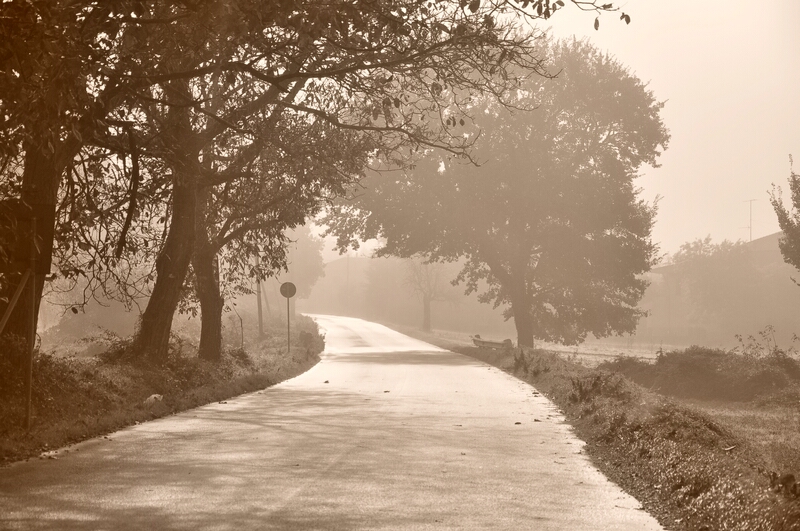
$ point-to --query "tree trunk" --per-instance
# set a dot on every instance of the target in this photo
(206, 273)
(512, 280)
(260, 310)
(426, 313)
(524, 325)
(172, 265)
(266, 301)
(40, 181)
(521, 309)
(521, 302)
(211, 304)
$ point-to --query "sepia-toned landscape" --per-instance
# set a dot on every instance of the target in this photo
(399, 264)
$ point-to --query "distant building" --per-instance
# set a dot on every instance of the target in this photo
(707, 301)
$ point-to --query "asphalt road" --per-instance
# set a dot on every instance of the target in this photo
(386, 432)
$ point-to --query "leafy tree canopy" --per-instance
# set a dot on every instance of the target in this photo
(90, 84)
(550, 223)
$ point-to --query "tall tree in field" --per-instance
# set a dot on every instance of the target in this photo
(429, 281)
(551, 221)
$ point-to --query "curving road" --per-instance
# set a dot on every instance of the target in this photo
(386, 432)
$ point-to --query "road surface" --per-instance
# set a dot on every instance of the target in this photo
(386, 432)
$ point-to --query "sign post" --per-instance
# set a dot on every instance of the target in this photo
(288, 290)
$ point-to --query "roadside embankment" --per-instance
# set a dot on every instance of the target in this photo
(693, 464)
(77, 398)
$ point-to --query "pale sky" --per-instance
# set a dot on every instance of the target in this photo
(729, 72)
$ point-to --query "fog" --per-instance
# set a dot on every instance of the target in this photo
(746, 292)
(381, 289)
(729, 77)
(729, 73)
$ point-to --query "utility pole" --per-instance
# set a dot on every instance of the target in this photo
(750, 226)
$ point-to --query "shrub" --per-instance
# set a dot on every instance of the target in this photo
(599, 384)
(712, 374)
(74, 398)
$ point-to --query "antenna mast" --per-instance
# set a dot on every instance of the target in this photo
(750, 226)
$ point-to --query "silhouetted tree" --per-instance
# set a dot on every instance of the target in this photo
(789, 219)
(49, 51)
(90, 73)
(304, 263)
(431, 282)
(551, 221)
(717, 281)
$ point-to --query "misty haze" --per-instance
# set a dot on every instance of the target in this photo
(399, 264)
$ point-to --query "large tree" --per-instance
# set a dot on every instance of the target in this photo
(550, 221)
(89, 71)
(45, 113)
(338, 67)
(295, 170)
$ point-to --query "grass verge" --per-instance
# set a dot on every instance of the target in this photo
(692, 467)
(76, 398)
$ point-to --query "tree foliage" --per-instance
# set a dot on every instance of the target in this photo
(716, 279)
(550, 223)
(128, 119)
(789, 219)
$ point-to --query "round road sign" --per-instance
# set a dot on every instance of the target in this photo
(288, 290)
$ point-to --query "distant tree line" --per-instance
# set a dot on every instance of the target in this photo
(707, 293)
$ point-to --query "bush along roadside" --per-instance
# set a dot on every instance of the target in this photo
(79, 398)
(686, 470)
(713, 374)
